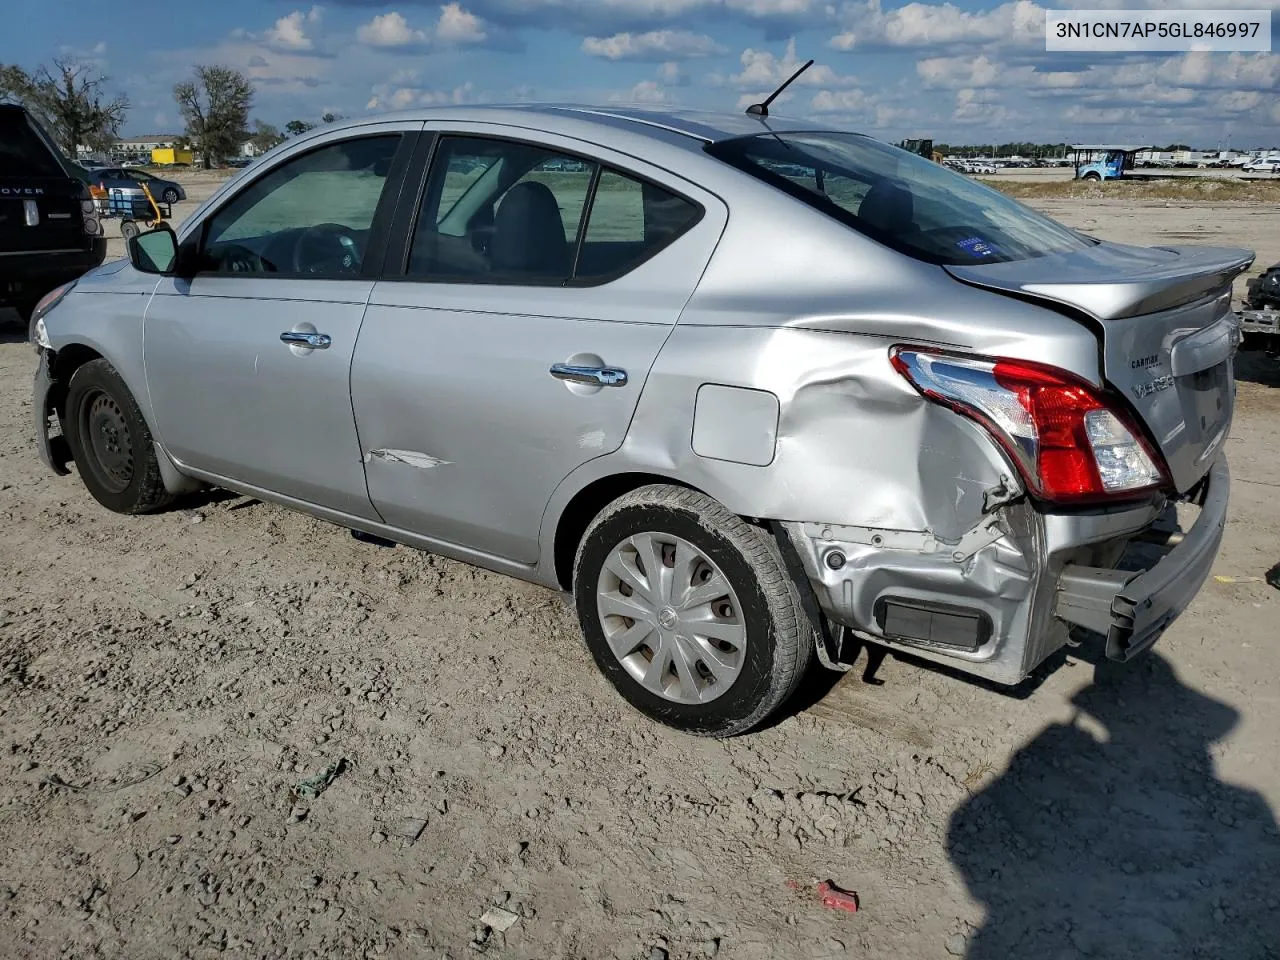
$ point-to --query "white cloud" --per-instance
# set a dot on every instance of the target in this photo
(840, 101)
(762, 70)
(670, 73)
(457, 26)
(655, 45)
(402, 98)
(290, 32)
(1020, 23)
(646, 91)
(389, 30)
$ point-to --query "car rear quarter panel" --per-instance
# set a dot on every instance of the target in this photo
(798, 305)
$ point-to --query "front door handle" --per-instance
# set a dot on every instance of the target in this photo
(296, 338)
(594, 376)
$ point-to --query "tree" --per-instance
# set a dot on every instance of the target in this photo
(70, 103)
(264, 137)
(215, 105)
(296, 128)
(332, 117)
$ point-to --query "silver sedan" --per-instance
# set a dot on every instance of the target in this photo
(757, 392)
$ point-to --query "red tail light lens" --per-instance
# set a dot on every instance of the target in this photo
(1069, 443)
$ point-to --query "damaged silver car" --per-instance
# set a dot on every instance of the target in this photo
(753, 390)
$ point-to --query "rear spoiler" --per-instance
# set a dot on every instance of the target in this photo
(1110, 281)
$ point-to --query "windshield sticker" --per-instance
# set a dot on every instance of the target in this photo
(976, 247)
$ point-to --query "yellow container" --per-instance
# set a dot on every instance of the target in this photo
(167, 156)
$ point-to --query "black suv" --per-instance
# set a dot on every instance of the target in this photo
(49, 231)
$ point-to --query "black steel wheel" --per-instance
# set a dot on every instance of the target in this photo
(111, 443)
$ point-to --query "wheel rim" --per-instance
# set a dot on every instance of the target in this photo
(110, 443)
(170, 196)
(671, 618)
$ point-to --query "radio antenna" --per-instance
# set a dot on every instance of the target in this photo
(762, 109)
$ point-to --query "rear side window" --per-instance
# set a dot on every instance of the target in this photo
(904, 201)
(23, 152)
(499, 211)
(630, 221)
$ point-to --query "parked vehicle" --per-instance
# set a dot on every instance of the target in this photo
(48, 231)
(1104, 161)
(165, 191)
(754, 391)
(1260, 318)
(1268, 164)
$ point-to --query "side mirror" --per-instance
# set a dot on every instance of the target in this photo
(155, 251)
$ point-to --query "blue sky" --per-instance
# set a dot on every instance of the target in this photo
(960, 72)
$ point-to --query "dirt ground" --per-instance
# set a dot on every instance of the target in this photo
(165, 681)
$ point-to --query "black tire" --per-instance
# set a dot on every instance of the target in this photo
(780, 637)
(129, 229)
(1092, 176)
(111, 443)
(170, 196)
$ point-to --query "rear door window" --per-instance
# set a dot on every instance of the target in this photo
(23, 152)
(499, 211)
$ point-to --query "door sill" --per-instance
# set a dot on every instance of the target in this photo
(477, 558)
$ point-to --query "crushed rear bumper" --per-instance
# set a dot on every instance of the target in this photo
(1132, 608)
(998, 602)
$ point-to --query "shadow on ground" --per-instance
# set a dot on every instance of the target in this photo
(1254, 366)
(1111, 836)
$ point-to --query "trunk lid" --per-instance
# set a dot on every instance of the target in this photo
(1167, 330)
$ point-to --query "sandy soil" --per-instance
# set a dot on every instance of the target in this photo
(165, 681)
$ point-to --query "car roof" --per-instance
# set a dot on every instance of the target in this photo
(697, 126)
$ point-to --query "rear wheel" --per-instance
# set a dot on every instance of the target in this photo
(689, 611)
(110, 442)
(129, 229)
(170, 196)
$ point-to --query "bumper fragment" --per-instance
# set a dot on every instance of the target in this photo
(53, 448)
(1132, 609)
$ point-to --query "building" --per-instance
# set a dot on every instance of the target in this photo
(140, 148)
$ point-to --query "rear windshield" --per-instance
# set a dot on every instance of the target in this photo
(23, 153)
(904, 201)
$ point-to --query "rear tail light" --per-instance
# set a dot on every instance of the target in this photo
(1070, 443)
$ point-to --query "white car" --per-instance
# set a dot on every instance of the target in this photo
(1263, 164)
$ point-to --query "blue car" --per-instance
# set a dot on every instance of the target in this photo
(164, 191)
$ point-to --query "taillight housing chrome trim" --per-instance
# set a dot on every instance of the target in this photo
(1073, 443)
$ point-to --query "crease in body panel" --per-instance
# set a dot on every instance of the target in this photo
(412, 458)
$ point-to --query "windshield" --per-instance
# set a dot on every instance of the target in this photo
(902, 200)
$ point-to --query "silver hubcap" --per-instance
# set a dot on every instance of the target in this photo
(671, 618)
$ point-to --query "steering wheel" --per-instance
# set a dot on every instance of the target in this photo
(237, 259)
(327, 248)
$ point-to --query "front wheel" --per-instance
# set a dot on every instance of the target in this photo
(1092, 176)
(689, 611)
(111, 443)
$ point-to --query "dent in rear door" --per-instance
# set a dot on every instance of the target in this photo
(465, 430)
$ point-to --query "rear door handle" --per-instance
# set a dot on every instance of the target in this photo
(595, 376)
(317, 341)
